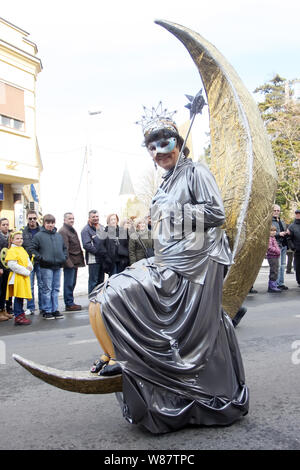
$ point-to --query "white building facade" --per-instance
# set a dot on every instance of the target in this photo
(20, 161)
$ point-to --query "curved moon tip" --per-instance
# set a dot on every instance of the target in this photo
(21, 360)
(161, 22)
(16, 357)
(72, 381)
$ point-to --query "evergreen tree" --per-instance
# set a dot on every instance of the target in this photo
(282, 120)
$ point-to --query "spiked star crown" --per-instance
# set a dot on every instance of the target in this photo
(155, 119)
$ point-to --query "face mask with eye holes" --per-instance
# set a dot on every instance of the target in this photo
(161, 146)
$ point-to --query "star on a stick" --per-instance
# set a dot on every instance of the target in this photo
(195, 104)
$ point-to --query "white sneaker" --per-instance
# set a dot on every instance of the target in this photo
(29, 312)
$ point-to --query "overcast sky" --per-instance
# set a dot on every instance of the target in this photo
(112, 57)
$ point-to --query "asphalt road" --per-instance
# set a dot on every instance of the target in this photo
(34, 415)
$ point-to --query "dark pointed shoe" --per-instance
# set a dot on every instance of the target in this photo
(240, 313)
(110, 370)
(253, 291)
(98, 365)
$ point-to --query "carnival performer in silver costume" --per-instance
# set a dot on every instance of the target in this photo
(160, 322)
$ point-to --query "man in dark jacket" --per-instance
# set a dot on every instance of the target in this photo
(32, 228)
(4, 271)
(93, 236)
(74, 261)
(294, 238)
(281, 238)
(50, 251)
(116, 245)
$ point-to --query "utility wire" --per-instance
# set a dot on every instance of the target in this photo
(64, 151)
(117, 151)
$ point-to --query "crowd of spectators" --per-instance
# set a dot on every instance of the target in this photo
(283, 251)
(108, 250)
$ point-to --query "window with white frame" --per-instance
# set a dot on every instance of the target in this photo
(12, 109)
(11, 122)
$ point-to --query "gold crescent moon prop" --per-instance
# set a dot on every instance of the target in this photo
(72, 381)
(244, 167)
(241, 160)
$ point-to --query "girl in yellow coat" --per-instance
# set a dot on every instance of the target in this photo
(18, 284)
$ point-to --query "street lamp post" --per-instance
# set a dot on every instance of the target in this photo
(89, 159)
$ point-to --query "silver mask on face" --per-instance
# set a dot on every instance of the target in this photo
(161, 146)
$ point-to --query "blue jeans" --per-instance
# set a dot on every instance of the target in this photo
(96, 276)
(70, 278)
(282, 264)
(18, 306)
(36, 272)
(50, 289)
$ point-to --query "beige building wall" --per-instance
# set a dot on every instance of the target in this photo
(20, 161)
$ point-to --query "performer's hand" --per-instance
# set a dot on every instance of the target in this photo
(1, 272)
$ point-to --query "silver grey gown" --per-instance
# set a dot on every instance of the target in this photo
(178, 350)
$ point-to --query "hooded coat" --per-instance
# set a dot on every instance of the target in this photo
(18, 284)
(49, 249)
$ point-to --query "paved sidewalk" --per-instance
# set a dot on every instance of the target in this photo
(260, 284)
(81, 289)
(253, 302)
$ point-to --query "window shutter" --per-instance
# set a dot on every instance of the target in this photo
(12, 102)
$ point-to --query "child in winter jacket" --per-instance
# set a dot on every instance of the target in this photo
(50, 251)
(273, 255)
(18, 284)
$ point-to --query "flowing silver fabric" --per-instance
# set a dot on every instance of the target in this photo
(180, 358)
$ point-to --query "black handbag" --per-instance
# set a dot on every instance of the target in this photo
(149, 252)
